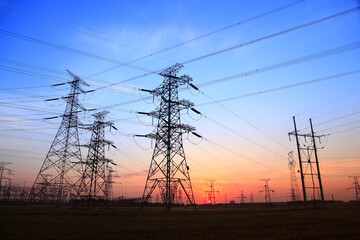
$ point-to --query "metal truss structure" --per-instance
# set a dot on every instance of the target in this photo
(3, 187)
(211, 198)
(95, 180)
(242, 197)
(169, 170)
(294, 190)
(60, 170)
(356, 187)
(267, 191)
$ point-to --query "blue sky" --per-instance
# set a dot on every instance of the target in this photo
(255, 126)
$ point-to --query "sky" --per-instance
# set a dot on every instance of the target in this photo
(256, 64)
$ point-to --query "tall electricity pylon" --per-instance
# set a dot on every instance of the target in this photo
(110, 181)
(211, 199)
(294, 190)
(242, 197)
(94, 181)
(60, 169)
(168, 168)
(309, 168)
(267, 190)
(2, 170)
(356, 187)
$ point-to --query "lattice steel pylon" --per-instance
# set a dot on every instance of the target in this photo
(2, 175)
(267, 191)
(94, 183)
(294, 190)
(242, 197)
(60, 169)
(356, 187)
(110, 181)
(211, 198)
(168, 168)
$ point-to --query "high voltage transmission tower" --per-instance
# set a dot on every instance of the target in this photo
(94, 183)
(294, 190)
(242, 197)
(356, 187)
(60, 170)
(310, 174)
(168, 168)
(211, 199)
(2, 176)
(267, 190)
(109, 181)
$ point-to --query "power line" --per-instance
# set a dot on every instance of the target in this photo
(291, 62)
(58, 72)
(330, 102)
(33, 74)
(76, 30)
(243, 156)
(283, 87)
(72, 50)
(345, 130)
(272, 35)
(242, 136)
(205, 35)
(244, 120)
(341, 125)
(334, 119)
(248, 43)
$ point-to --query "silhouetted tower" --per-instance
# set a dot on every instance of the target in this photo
(211, 199)
(3, 169)
(251, 197)
(49, 193)
(267, 190)
(94, 181)
(356, 187)
(61, 162)
(242, 197)
(294, 190)
(110, 181)
(309, 167)
(179, 197)
(168, 168)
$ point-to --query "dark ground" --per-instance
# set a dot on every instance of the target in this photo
(330, 221)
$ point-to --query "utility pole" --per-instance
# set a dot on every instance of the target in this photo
(356, 187)
(94, 181)
(267, 190)
(60, 169)
(310, 174)
(168, 168)
(211, 199)
(316, 160)
(294, 190)
(2, 170)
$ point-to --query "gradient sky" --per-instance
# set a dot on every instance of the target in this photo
(245, 134)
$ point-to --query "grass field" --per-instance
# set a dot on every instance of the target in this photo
(332, 221)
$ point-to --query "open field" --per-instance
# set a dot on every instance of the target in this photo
(332, 221)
